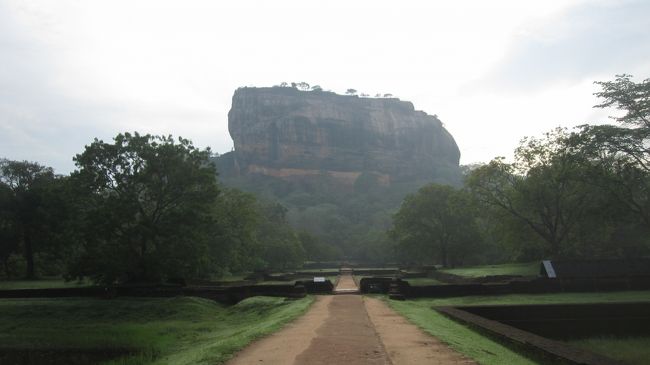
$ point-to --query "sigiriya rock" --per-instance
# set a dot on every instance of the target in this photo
(295, 135)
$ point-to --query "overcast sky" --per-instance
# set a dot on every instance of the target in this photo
(493, 71)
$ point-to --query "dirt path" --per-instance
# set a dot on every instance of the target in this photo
(346, 337)
(346, 283)
(282, 347)
(405, 342)
(350, 330)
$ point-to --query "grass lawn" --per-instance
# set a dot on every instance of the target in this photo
(43, 283)
(484, 349)
(182, 330)
(375, 268)
(423, 281)
(633, 350)
(323, 271)
(525, 269)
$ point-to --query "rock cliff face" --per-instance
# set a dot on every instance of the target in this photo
(292, 134)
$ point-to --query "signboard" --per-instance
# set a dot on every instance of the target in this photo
(550, 271)
(318, 279)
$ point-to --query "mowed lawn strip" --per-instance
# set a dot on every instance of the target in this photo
(484, 349)
(523, 269)
(631, 350)
(182, 330)
(423, 281)
(459, 337)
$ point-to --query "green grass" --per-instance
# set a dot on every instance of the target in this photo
(633, 350)
(180, 330)
(423, 281)
(45, 283)
(324, 271)
(551, 298)
(481, 348)
(460, 338)
(525, 269)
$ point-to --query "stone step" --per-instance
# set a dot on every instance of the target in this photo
(346, 291)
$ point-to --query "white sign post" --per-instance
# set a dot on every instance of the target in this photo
(550, 271)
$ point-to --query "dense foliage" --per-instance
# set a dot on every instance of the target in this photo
(148, 200)
(147, 208)
(341, 222)
(141, 208)
(30, 213)
(581, 194)
(436, 223)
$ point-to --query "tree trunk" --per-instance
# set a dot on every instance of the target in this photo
(443, 253)
(555, 248)
(29, 255)
(5, 266)
(143, 260)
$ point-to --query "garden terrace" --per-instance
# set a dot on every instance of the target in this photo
(226, 295)
(538, 328)
(607, 268)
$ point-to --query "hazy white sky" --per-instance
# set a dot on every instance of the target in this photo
(493, 71)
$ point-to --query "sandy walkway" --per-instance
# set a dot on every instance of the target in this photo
(349, 330)
(282, 347)
(346, 337)
(346, 283)
(405, 342)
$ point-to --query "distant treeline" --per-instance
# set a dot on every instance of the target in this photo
(148, 208)
(139, 209)
(570, 194)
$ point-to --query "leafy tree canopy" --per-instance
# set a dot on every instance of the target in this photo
(543, 188)
(628, 142)
(149, 204)
(435, 225)
(29, 211)
(630, 97)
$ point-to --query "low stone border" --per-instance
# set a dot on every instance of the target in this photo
(226, 295)
(375, 271)
(562, 321)
(535, 286)
(375, 285)
(553, 350)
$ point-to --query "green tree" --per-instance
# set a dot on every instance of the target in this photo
(9, 237)
(28, 213)
(149, 205)
(279, 244)
(435, 225)
(374, 246)
(543, 188)
(619, 155)
(316, 250)
(630, 138)
(236, 247)
(628, 96)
